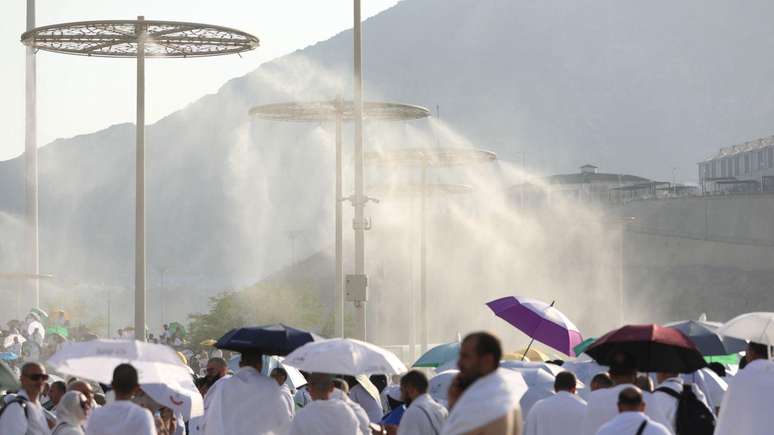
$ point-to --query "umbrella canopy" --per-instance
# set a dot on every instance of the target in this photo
(654, 348)
(704, 335)
(58, 330)
(268, 340)
(36, 325)
(9, 339)
(580, 348)
(345, 356)
(757, 327)
(8, 356)
(539, 321)
(177, 328)
(439, 355)
(95, 360)
(39, 312)
(438, 386)
(180, 396)
(208, 342)
(8, 380)
(530, 354)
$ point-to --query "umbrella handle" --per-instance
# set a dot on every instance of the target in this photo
(532, 340)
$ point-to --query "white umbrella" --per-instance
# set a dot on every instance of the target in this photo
(181, 397)
(551, 369)
(438, 386)
(36, 325)
(8, 342)
(344, 356)
(95, 360)
(757, 327)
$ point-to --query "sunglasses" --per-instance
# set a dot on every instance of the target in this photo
(37, 377)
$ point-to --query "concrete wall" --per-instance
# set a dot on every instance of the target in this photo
(685, 256)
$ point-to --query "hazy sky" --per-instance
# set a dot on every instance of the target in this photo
(79, 95)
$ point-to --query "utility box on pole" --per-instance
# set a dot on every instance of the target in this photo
(356, 288)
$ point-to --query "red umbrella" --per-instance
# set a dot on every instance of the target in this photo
(654, 348)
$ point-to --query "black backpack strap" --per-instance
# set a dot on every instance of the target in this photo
(642, 427)
(21, 401)
(668, 391)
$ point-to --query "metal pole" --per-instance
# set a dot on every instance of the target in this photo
(139, 235)
(31, 160)
(423, 262)
(339, 290)
(412, 305)
(621, 315)
(360, 224)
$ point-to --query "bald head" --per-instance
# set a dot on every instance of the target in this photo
(320, 386)
(82, 387)
(630, 400)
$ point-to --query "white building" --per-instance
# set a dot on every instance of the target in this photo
(747, 167)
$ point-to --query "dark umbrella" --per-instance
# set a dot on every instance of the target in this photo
(267, 340)
(654, 348)
(706, 339)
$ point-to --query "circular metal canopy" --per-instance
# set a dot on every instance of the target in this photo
(118, 38)
(415, 189)
(430, 157)
(317, 111)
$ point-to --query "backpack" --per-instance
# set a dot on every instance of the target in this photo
(17, 399)
(693, 416)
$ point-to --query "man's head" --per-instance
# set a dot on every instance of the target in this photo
(57, 390)
(379, 381)
(663, 376)
(82, 387)
(412, 385)
(480, 355)
(216, 368)
(250, 359)
(623, 368)
(33, 377)
(125, 383)
(756, 351)
(321, 386)
(280, 375)
(565, 381)
(630, 400)
(600, 381)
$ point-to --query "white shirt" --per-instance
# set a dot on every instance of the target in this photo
(627, 423)
(372, 407)
(287, 397)
(602, 406)
(325, 417)
(559, 414)
(747, 404)
(360, 414)
(668, 404)
(246, 403)
(424, 416)
(121, 417)
(302, 397)
(13, 421)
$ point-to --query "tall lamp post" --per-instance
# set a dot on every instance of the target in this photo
(424, 159)
(338, 111)
(31, 160)
(139, 39)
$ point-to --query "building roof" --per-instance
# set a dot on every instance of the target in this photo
(744, 147)
(587, 178)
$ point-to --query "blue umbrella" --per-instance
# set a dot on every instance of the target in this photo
(267, 340)
(8, 356)
(704, 336)
(439, 355)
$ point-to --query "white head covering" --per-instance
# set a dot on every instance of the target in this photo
(69, 409)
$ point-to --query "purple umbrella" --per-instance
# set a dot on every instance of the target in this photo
(540, 321)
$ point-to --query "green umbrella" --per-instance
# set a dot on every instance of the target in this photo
(583, 345)
(8, 380)
(731, 359)
(177, 328)
(439, 355)
(58, 330)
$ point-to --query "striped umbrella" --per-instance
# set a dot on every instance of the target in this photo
(540, 321)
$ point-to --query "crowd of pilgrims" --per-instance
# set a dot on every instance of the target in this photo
(481, 398)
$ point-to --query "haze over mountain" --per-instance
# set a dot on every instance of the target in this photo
(633, 87)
